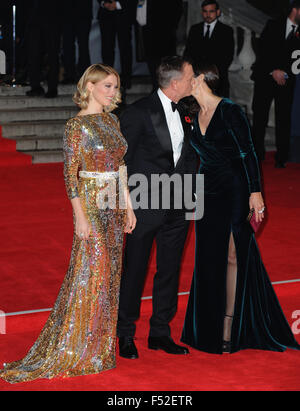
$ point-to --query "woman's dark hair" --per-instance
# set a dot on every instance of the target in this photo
(211, 78)
(211, 74)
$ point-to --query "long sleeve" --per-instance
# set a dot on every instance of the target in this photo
(71, 149)
(242, 136)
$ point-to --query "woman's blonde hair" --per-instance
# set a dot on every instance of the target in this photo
(95, 73)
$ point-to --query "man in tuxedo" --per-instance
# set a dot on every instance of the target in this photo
(44, 33)
(212, 41)
(116, 19)
(158, 22)
(77, 20)
(158, 143)
(274, 80)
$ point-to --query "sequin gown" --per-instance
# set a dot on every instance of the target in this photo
(80, 335)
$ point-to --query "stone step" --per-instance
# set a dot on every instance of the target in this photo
(139, 86)
(39, 128)
(37, 123)
(63, 101)
(36, 143)
(45, 156)
(36, 114)
(16, 102)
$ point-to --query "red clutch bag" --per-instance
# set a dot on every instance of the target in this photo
(252, 220)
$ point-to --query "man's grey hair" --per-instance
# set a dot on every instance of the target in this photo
(170, 68)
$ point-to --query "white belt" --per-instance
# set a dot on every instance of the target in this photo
(106, 179)
(107, 175)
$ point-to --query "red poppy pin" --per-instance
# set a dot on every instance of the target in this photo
(297, 34)
(187, 119)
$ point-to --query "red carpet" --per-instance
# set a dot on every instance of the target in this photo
(158, 371)
(8, 154)
(35, 243)
(36, 234)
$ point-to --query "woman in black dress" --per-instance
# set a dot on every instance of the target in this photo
(232, 304)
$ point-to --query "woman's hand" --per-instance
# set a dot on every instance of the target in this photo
(130, 221)
(82, 227)
(256, 201)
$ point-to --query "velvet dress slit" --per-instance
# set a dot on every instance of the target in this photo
(231, 173)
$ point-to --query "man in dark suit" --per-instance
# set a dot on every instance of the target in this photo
(44, 32)
(274, 79)
(116, 19)
(158, 143)
(158, 27)
(77, 20)
(212, 41)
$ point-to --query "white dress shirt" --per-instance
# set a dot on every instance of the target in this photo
(289, 27)
(174, 125)
(211, 27)
(141, 12)
(118, 5)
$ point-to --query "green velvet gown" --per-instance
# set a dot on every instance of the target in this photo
(229, 164)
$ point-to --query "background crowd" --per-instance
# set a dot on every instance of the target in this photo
(53, 46)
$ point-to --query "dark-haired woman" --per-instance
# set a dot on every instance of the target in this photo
(232, 304)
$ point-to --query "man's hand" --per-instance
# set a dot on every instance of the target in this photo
(279, 77)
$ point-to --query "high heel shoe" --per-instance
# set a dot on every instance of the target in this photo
(226, 347)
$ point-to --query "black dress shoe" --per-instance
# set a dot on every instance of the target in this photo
(127, 348)
(51, 94)
(36, 92)
(68, 80)
(279, 164)
(166, 344)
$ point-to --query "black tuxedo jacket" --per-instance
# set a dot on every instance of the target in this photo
(160, 31)
(144, 126)
(274, 51)
(77, 9)
(44, 12)
(164, 15)
(219, 50)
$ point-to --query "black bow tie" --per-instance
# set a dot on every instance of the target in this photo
(174, 106)
(292, 32)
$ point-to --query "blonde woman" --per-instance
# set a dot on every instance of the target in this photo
(80, 335)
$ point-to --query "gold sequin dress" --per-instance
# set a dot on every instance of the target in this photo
(79, 337)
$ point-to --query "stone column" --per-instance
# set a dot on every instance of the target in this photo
(2, 62)
(194, 13)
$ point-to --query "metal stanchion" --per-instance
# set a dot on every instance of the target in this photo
(13, 81)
